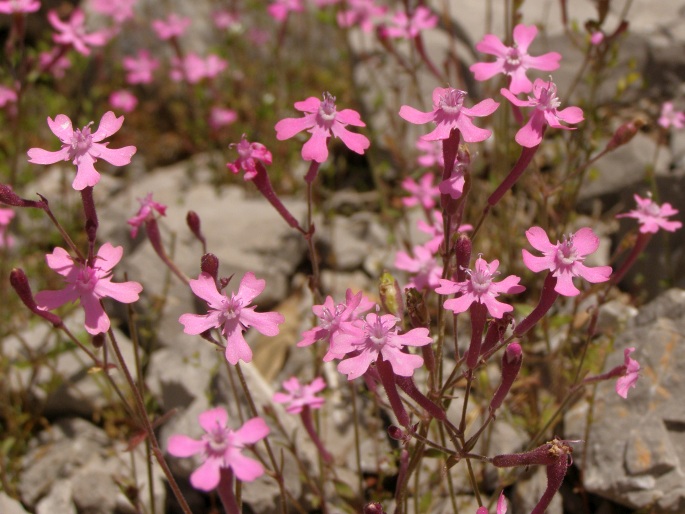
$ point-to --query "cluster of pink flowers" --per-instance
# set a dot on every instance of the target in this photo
(193, 68)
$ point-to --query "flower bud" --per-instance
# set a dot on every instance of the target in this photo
(9, 197)
(193, 221)
(624, 134)
(391, 295)
(373, 508)
(99, 340)
(464, 248)
(20, 284)
(511, 365)
(210, 265)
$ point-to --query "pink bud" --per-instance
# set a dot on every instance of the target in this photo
(511, 365)
(9, 197)
(20, 283)
(210, 265)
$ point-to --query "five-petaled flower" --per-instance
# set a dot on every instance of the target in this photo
(513, 61)
(546, 112)
(299, 396)
(422, 192)
(83, 148)
(146, 212)
(322, 121)
(89, 284)
(408, 27)
(171, 27)
(670, 117)
(248, 154)
(565, 258)
(231, 314)
(73, 32)
(375, 337)
(480, 287)
(449, 113)
(423, 267)
(139, 69)
(631, 372)
(651, 216)
(19, 6)
(220, 448)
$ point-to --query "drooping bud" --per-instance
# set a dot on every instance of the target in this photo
(624, 134)
(193, 221)
(9, 197)
(20, 283)
(373, 508)
(391, 295)
(210, 265)
(511, 365)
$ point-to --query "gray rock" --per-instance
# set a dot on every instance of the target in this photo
(59, 499)
(634, 449)
(529, 488)
(9, 505)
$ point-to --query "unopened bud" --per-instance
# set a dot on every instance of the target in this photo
(511, 365)
(99, 340)
(417, 308)
(9, 197)
(20, 283)
(193, 221)
(391, 295)
(210, 265)
(495, 332)
(373, 508)
(624, 134)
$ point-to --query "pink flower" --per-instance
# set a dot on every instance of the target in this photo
(377, 337)
(83, 148)
(247, 154)
(6, 240)
(449, 113)
(669, 116)
(423, 267)
(322, 121)
(123, 100)
(565, 258)
(7, 95)
(139, 69)
(225, 19)
(631, 374)
(221, 117)
(480, 288)
(173, 26)
(363, 13)
(19, 6)
(501, 506)
(436, 230)
(54, 63)
(406, 27)
(652, 216)
(301, 395)
(146, 212)
(513, 61)
(194, 68)
(545, 103)
(89, 284)
(73, 32)
(279, 9)
(432, 153)
(455, 183)
(423, 192)
(119, 11)
(231, 314)
(220, 447)
(332, 318)
(597, 37)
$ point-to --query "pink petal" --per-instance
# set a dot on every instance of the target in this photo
(491, 44)
(545, 62)
(486, 70)
(124, 292)
(97, 321)
(245, 468)
(264, 322)
(194, 324)
(109, 124)
(184, 446)
(355, 142)
(448, 287)
(213, 418)
(115, 156)
(60, 261)
(86, 174)
(109, 256)
(49, 300)
(571, 115)
(495, 307)
(62, 128)
(538, 239)
(415, 337)
(237, 348)
(524, 35)
(403, 364)
(316, 148)
(512, 98)
(484, 108)
(250, 287)
(287, 128)
(205, 287)
(253, 430)
(565, 284)
(415, 116)
(593, 275)
(40, 156)
(309, 105)
(520, 83)
(470, 133)
(585, 241)
(350, 117)
(536, 264)
(355, 367)
(530, 135)
(460, 304)
(207, 476)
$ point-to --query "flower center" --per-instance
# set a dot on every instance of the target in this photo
(86, 280)
(81, 141)
(548, 100)
(377, 332)
(218, 440)
(652, 209)
(452, 101)
(481, 279)
(327, 108)
(231, 307)
(512, 60)
(566, 252)
(244, 149)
